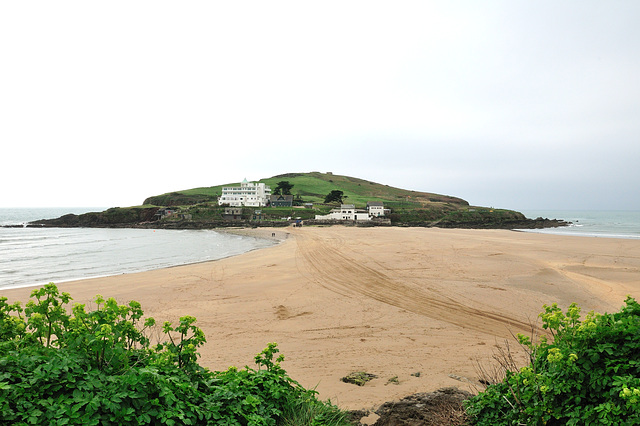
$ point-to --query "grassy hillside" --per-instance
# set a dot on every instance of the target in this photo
(197, 208)
(312, 188)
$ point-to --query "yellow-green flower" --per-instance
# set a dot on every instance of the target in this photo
(554, 355)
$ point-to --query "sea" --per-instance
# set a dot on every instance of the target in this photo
(36, 256)
(591, 223)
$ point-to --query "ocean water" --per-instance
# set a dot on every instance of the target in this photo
(35, 256)
(592, 223)
(21, 216)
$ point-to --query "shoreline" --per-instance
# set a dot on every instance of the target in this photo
(578, 234)
(390, 301)
(264, 235)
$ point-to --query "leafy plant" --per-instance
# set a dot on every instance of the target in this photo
(46, 316)
(99, 367)
(588, 373)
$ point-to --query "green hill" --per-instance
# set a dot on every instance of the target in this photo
(313, 187)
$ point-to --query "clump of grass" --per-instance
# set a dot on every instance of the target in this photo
(359, 378)
(393, 381)
(305, 413)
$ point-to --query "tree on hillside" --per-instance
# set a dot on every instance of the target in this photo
(283, 187)
(336, 196)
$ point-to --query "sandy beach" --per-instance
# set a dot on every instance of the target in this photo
(388, 301)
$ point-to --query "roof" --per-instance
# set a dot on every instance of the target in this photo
(375, 203)
(281, 197)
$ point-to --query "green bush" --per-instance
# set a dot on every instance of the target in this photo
(588, 373)
(99, 368)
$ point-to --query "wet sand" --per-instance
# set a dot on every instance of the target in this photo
(388, 301)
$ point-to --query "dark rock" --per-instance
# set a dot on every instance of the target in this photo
(504, 224)
(113, 217)
(354, 416)
(179, 199)
(442, 407)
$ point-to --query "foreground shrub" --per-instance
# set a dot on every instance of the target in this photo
(99, 368)
(588, 373)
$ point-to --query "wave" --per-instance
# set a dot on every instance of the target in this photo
(594, 223)
(35, 255)
(554, 231)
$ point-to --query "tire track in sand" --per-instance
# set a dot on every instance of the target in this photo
(332, 268)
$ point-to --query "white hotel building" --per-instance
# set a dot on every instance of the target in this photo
(249, 194)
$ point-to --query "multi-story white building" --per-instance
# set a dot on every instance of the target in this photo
(249, 194)
(375, 208)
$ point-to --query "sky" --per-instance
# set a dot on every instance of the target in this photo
(511, 104)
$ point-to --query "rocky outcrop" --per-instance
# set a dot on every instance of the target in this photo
(111, 217)
(524, 223)
(208, 217)
(179, 199)
(442, 408)
(73, 221)
(146, 220)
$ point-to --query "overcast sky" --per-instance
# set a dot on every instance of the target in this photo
(513, 104)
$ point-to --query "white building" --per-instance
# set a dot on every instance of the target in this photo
(249, 194)
(349, 212)
(345, 212)
(376, 208)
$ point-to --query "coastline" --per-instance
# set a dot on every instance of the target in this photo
(272, 234)
(34, 257)
(390, 301)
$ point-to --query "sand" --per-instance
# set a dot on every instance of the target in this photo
(388, 301)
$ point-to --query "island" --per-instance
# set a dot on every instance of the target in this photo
(302, 198)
